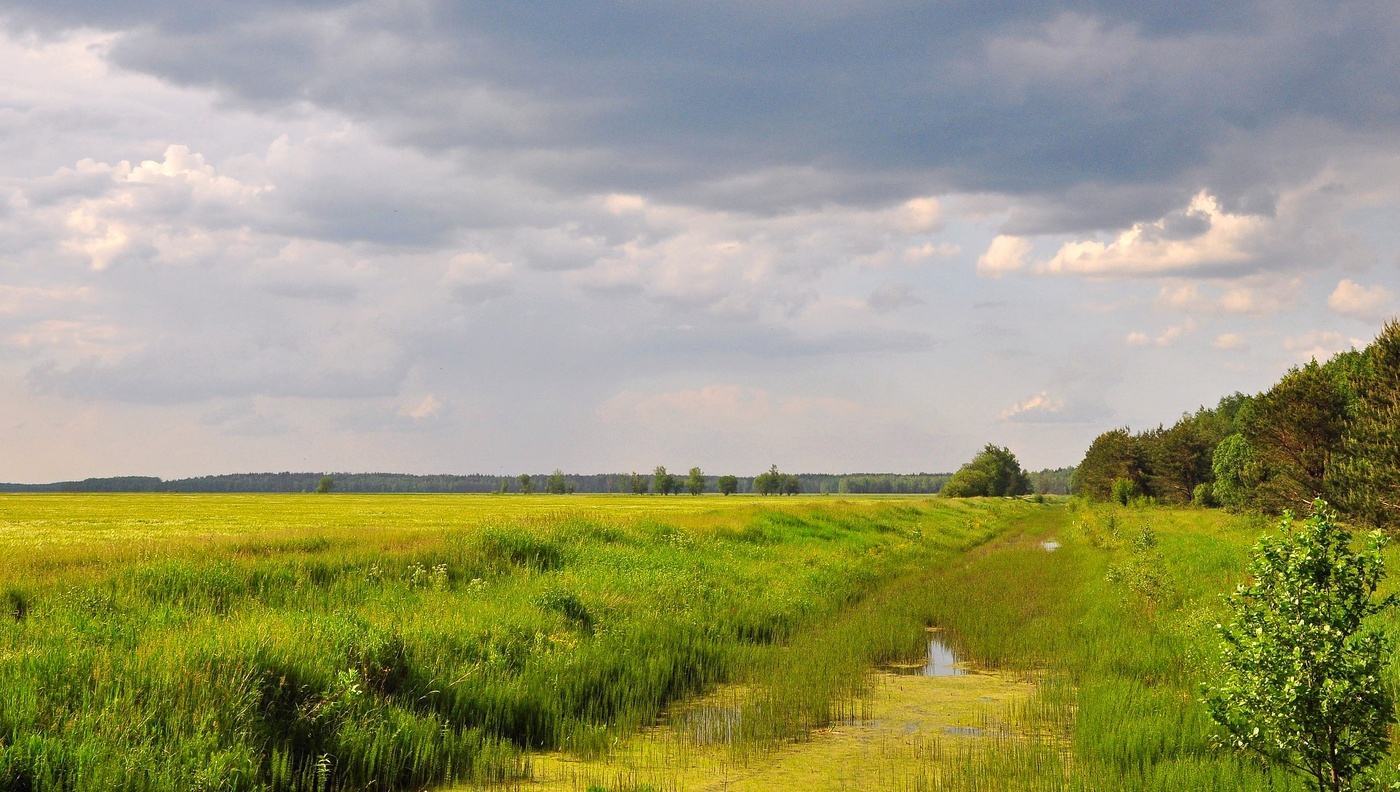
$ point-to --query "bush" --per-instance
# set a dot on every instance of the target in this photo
(1124, 491)
(994, 472)
(1203, 496)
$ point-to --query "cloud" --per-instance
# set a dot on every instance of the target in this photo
(714, 405)
(929, 250)
(1206, 240)
(677, 100)
(474, 278)
(1040, 403)
(1168, 337)
(1373, 303)
(1044, 408)
(430, 407)
(919, 216)
(1221, 243)
(336, 208)
(1005, 254)
(429, 414)
(1320, 344)
(893, 296)
(245, 418)
(1264, 296)
(1230, 341)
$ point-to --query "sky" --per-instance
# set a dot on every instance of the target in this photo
(437, 237)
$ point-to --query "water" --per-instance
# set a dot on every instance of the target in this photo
(1050, 546)
(941, 660)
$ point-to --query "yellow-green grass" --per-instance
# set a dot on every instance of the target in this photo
(320, 642)
(1115, 626)
(1120, 622)
(383, 642)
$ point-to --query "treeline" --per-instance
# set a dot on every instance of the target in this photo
(1050, 482)
(475, 483)
(1329, 430)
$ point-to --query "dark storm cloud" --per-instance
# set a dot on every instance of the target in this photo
(675, 98)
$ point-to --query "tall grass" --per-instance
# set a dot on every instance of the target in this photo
(322, 643)
(1118, 621)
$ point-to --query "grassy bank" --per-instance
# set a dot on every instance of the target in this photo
(1119, 624)
(302, 642)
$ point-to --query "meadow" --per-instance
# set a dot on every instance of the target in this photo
(304, 642)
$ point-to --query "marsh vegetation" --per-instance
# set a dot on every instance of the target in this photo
(616, 643)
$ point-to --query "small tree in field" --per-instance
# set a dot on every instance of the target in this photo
(695, 482)
(326, 484)
(728, 485)
(769, 483)
(663, 483)
(526, 485)
(1300, 683)
(556, 485)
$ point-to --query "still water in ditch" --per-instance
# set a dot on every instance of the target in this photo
(917, 716)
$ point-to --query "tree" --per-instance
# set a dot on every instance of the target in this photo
(1293, 430)
(663, 483)
(526, 485)
(1230, 463)
(1367, 474)
(728, 485)
(556, 485)
(636, 484)
(1300, 680)
(1113, 455)
(790, 484)
(768, 483)
(1179, 459)
(695, 483)
(326, 484)
(993, 472)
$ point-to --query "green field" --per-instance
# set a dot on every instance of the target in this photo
(173, 642)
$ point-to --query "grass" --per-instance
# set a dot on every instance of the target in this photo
(314, 643)
(1115, 628)
(1119, 621)
(400, 642)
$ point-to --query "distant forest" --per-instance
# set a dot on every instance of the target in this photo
(1049, 482)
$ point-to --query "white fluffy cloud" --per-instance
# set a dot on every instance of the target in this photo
(1229, 341)
(1166, 338)
(1206, 240)
(1368, 303)
(1006, 254)
(1213, 239)
(1250, 296)
(1049, 407)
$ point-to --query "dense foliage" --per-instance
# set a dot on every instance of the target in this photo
(1301, 683)
(994, 472)
(776, 483)
(1325, 430)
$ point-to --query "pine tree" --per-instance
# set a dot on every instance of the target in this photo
(1366, 475)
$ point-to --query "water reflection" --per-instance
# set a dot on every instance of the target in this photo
(941, 660)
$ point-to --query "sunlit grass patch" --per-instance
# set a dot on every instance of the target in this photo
(327, 642)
